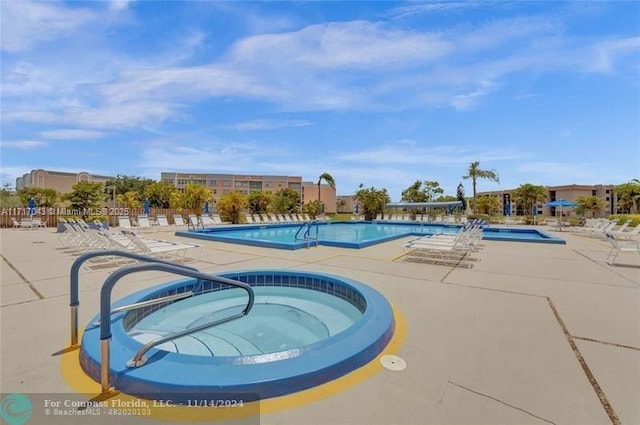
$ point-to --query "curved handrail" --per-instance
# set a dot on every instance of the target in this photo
(74, 298)
(306, 236)
(105, 311)
(302, 226)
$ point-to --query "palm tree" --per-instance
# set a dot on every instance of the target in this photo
(327, 178)
(474, 173)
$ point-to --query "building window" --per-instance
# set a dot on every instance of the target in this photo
(607, 198)
(606, 191)
(226, 183)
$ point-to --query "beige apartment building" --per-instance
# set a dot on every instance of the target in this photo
(224, 183)
(569, 192)
(58, 180)
(327, 195)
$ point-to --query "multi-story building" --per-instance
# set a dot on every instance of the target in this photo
(223, 183)
(569, 192)
(58, 180)
(327, 195)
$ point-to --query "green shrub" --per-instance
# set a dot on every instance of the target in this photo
(480, 216)
(622, 218)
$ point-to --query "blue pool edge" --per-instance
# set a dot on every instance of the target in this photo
(217, 234)
(184, 378)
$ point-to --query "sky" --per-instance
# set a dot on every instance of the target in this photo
(378, 93)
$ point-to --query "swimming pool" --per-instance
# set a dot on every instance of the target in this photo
(341, 234)
(353, 235)
(305, 329)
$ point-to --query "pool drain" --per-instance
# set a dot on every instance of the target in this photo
(394, 363)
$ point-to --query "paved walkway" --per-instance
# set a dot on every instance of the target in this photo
(532, 334)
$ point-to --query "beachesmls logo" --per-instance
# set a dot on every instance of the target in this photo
(15, 409)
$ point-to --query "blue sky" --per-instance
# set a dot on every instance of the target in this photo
(380, 93)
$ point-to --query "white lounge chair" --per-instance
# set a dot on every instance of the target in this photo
(124, 222)
(618, 246)
(627, 236)
(163, 223)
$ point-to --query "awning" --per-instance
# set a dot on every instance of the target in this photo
(449, 204)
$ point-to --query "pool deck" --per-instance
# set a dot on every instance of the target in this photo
(532, 334)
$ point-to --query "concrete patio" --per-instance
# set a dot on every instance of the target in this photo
(532, 334)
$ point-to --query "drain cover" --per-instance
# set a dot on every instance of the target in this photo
(394, 363)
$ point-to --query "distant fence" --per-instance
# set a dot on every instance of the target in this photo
(50, 216)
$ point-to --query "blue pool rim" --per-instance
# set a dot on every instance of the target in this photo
(185, 379)
(490, 233)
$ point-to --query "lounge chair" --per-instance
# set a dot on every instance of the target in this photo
(618, 246)
(249, 218)
(162, 221)
(124, 222)
(144, 223)
(178, 220)
(627, 236)
(194, 222)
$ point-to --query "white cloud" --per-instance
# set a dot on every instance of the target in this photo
(22, 144)
(71, 134)
(433, 156)
(25, 23)
(354, 44)
(269, 124)
(119, 5)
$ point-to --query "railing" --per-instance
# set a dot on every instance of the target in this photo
(74, 299)
(306, 236)
(105, 313)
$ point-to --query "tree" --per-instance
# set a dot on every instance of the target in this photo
(124, 184)
(487, 205)
(195, 196)
(340, 204)
(129, 200)
(259, 201)
(86, 197)
(628, 195)
(372, 201)
(460, 196)
(414, 193)
(8, 197)
(44, 197)
(327, 178)
(446, 198)
(421, 191)
(232, 206)
(528, 195)
(160, 194)
(589, 205)
(474, 173)
(313, 208)
(285, 201)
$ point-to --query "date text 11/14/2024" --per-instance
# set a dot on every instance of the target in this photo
(200, 403)
(19, 211)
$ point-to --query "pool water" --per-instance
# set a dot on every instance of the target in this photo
(281, 319)
(352, 235)
(340, 234)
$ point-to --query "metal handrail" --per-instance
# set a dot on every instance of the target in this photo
(302, 226)
(74, 298)
(307, 234)
(105, 313)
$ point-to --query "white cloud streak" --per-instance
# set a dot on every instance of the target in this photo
(25, 23)
(72, 134)
(22, 144)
